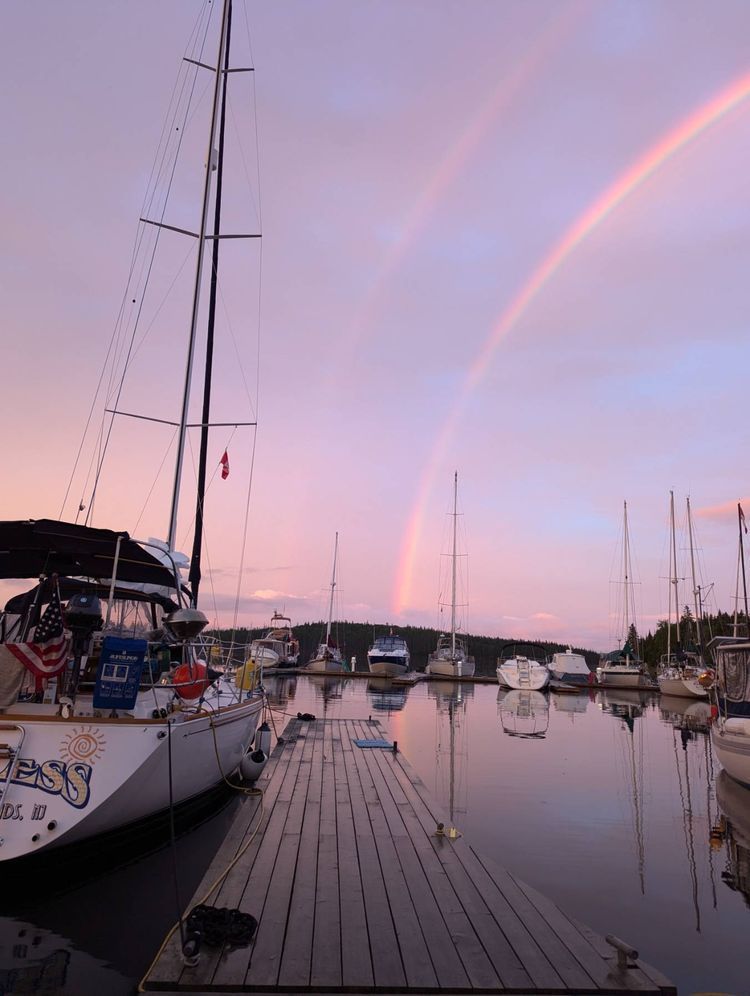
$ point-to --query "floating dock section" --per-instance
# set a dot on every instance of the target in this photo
(354, 891)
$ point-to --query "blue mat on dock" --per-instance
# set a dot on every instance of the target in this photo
(385, 744)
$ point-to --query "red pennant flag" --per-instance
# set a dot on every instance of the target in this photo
(742, 516)
(224, 466)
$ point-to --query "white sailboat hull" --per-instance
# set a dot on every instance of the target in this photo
(322, 665)
(622, 677)
(731, 740)
(450, 669)
(83, 776)
(685, 687)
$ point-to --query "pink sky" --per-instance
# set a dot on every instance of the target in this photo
(418, 162)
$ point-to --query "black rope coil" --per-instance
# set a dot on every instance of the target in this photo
(216, 926)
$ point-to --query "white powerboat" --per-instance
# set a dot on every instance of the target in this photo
(522, 672)
(388, 656)
(571, 668)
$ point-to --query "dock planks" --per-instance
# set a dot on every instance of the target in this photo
(355, 893)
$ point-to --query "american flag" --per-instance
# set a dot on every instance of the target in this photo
(46, 656)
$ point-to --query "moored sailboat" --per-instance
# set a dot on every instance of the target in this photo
(623, 668)
(109, 709)
(680, 670)
(328, 656)
(451, 659)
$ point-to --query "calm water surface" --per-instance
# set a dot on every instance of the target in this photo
(610, 803)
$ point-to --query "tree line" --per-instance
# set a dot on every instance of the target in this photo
(354, 639)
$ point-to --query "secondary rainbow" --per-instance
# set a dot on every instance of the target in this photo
(628, 182)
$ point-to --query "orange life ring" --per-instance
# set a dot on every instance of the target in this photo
(191, 680)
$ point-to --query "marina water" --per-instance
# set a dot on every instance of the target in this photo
(608, 802)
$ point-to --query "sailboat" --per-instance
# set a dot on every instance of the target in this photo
(623, 668)
(328, 656)
(451, 659)
(680, 670)
(730, 733)
(109, 710)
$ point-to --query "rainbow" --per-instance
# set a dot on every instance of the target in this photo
(627, 183)
(557, 29)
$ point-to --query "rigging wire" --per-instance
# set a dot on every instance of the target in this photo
(149, 269)
(118, 322)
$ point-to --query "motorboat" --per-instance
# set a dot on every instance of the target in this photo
(522, 672)
(278, 647)
(571, 668)
(388, 656)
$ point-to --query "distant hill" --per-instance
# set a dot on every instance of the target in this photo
(355, 638)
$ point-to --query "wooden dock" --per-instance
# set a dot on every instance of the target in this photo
(354, 892)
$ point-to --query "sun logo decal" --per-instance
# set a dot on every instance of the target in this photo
(82, 745)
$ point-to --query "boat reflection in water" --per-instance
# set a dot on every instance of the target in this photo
(280, 689)
(691, 748)
(35, 960)
(385, 696)
(327, 687)
(685, 714)
(571, 704)
(628, 705)
(524, 713)
(733, 828)
(451, 746)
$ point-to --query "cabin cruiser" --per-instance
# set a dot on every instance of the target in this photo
(278, 648)
(571, 668)
(388, 656)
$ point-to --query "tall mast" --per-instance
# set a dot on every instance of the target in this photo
(453, 577)
(740, 570)
(626, 571)
(333, 588)
(195, 559)
(198, 274)
(673, 582)
(696, 590)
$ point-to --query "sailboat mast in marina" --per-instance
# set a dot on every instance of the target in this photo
(132, 718)
(328, 656)
(680, 671)
(623, 668)
(450, 659)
